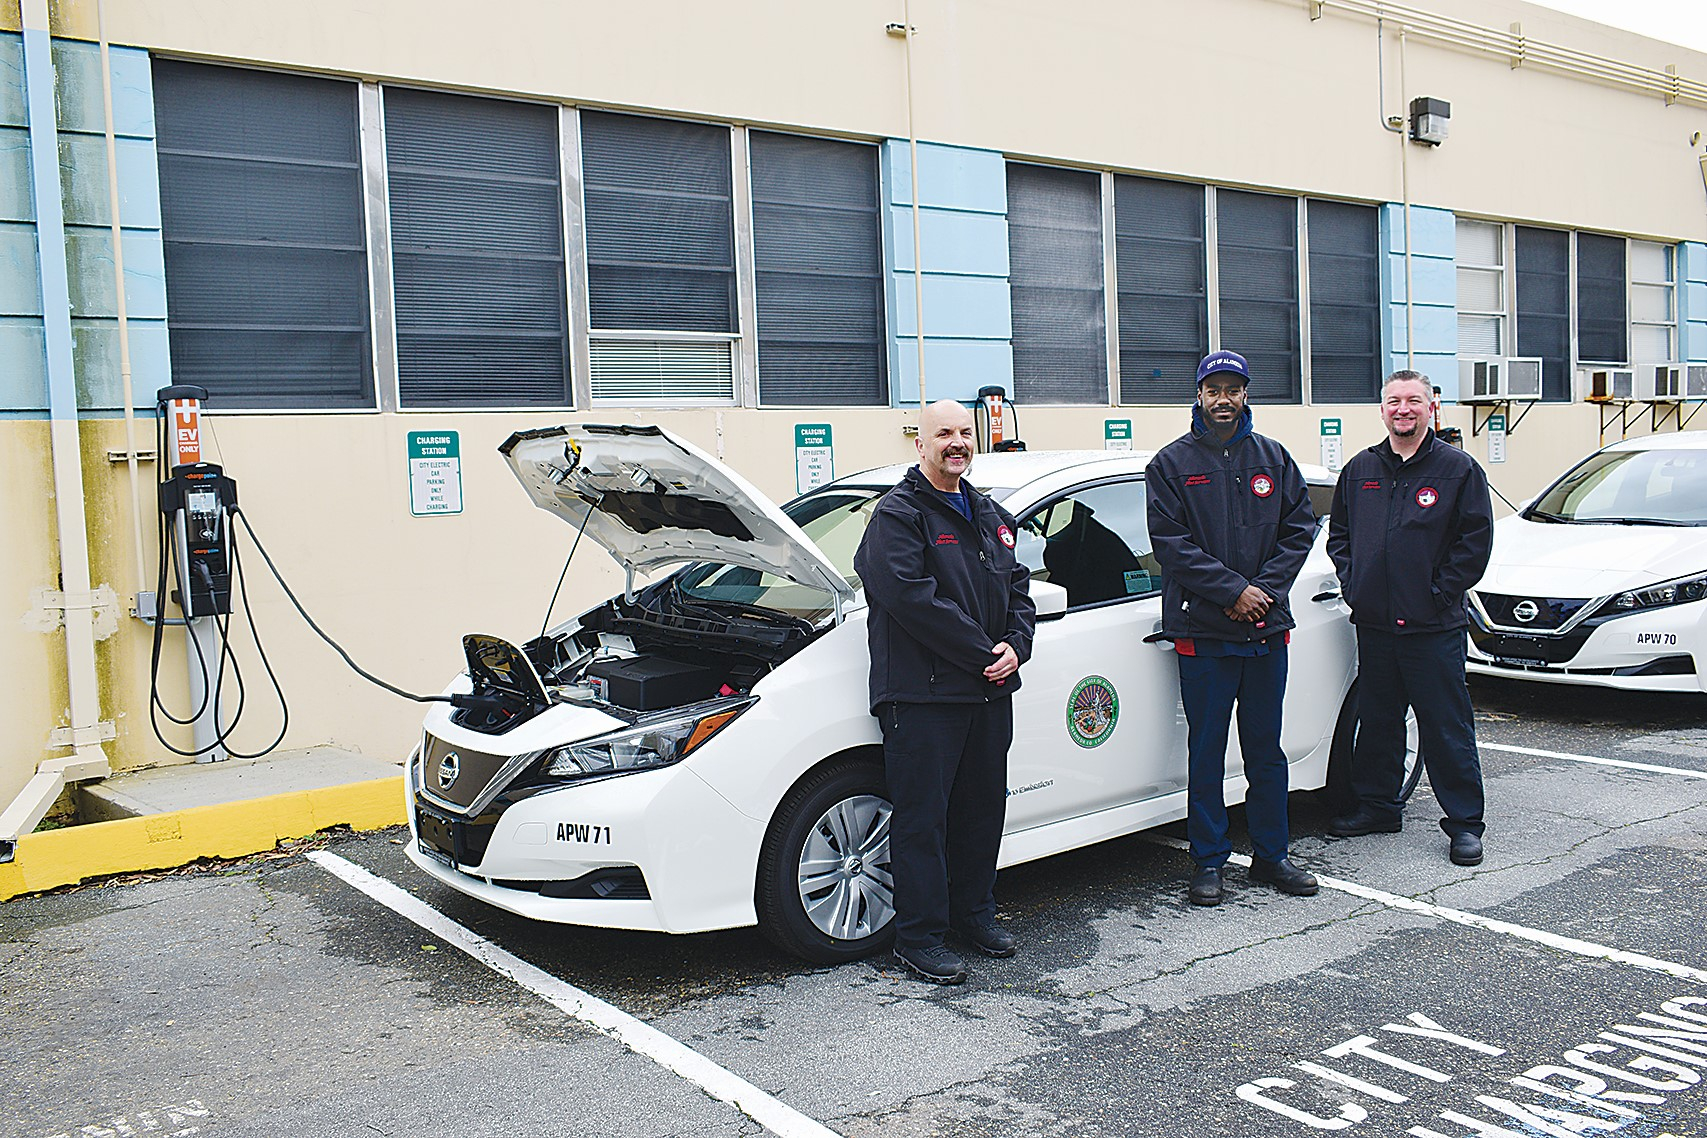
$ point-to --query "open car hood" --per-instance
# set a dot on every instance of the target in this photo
(655, 499)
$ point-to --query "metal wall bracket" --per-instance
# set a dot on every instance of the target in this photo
(117, 456)
(49, 606)
(102, 732)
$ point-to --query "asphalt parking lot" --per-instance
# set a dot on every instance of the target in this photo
(1560, 988)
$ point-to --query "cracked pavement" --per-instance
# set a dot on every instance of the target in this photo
(280, 1002)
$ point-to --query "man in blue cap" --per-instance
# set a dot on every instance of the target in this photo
(1231, 524)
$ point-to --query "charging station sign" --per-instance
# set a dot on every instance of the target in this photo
(814, 456)
(435, 473)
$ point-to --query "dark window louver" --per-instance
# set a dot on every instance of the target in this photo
(818, 254)
(1345, 303)
(476, 251)
(660, 224)
(1602, 334)
(1162, 295)
(1544, 305)
(1055, 280)
(1257, 248)
(265, 245)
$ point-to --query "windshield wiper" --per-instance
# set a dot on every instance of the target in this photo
(1648, 522)
(1544, 516)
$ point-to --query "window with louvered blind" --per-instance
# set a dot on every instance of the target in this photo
(1544, 305)
(477, 251)
(1055, 281)
(265, 246)
(1480, 254)
(1257, 258)
(1602, 335)
(1653, 302)
(818, 254)
(660, 226)
(1163, 298)
(1345, 303)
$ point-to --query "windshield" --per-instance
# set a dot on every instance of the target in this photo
(835, 520)
(1653, 487)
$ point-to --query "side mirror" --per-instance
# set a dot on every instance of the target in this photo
(1050, 599)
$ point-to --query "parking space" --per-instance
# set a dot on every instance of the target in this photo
(272, 997)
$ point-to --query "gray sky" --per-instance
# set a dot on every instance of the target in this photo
(1676, 21)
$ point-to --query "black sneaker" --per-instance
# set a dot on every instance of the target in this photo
(1466, 849)
(1206, 885)
(937, 964)
(1284, 876)
(1361, 822)
(989, 938)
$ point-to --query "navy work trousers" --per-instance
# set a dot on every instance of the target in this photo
(1425, 672)
(1209, 688)
(947, 767)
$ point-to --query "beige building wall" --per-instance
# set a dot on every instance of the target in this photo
(1243, 92)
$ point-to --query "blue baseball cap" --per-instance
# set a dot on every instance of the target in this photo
(1223, 361)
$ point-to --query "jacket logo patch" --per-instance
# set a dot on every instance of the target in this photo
(947, 539)
(1197, 480)
(1371, 484)
(1006, 535)
(1427, 497)
(1262, 485)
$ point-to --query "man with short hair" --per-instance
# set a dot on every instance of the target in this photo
(1411, 531)
(950, 623)
(1231, 524)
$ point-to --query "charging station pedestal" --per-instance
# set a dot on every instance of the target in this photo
(197, 499)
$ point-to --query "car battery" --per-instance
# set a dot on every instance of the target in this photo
(651, 683)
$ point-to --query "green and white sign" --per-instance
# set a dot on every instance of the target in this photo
(1333, 445)
(1496, 438)
(1117, 434)
(435, 473)
(814, 456)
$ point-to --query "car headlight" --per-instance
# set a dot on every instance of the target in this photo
(646, 746)
(1682, 591)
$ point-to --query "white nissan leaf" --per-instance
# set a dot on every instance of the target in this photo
(1602, 579)
(697, 753)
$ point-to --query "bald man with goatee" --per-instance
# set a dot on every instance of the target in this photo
(950, 624)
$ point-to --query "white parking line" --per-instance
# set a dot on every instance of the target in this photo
(1459, 916)
(1595, 759)
(774, 1115)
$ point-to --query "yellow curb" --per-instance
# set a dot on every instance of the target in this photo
(230, 829)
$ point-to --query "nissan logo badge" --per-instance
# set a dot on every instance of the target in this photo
(1525, 611)
(449, 767)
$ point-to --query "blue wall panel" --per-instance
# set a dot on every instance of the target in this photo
(1434, 277)
(1692, 301)
(968, 317)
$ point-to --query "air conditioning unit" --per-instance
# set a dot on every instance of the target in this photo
(1659, 383)
(1499, 381)
(1606, 384)
(1695, 381)
(1480, 381)
(1523, 377)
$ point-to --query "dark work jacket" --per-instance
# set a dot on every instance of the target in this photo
(1410, 537)
(943, 592)
(1223, 516)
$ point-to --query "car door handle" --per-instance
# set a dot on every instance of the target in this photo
(1330, 595)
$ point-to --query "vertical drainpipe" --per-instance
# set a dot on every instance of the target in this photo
(87, 759)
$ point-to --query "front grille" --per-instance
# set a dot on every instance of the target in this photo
(1530, 650)
(455, 777)
(460, 844)
(1550, 612)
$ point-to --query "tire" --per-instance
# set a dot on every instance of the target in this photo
(824, 890)
(1338, 793)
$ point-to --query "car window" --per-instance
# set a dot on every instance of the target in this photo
(835, 520)
(1094, 543)
(1321, 502)
(1661, 487)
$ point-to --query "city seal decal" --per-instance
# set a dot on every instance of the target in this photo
(1262, 485)
(1427, 497)
(1092, 709)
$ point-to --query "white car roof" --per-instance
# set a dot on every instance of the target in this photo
(1012, 469)
(1678, 440)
